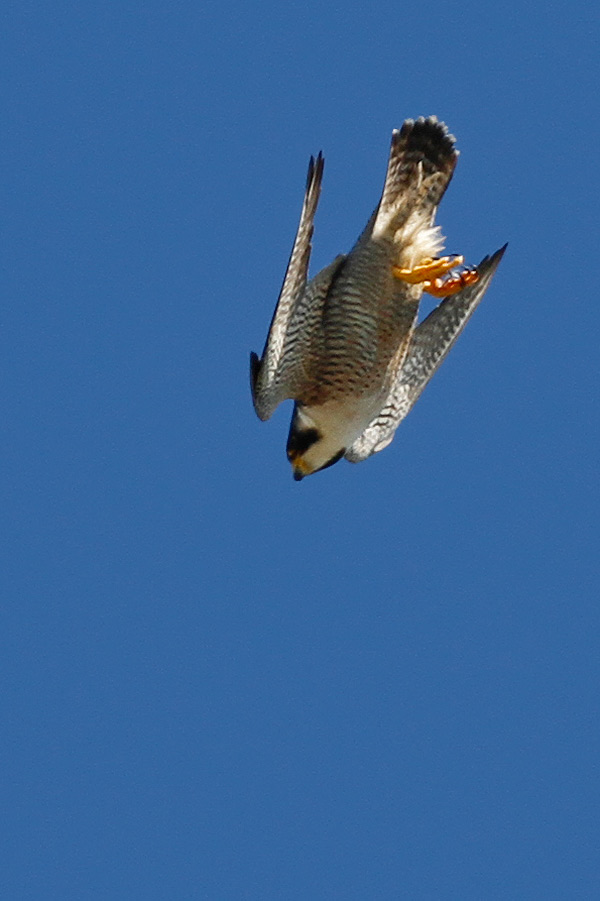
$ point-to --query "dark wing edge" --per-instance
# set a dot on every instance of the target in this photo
(263, 372)
(431, 343)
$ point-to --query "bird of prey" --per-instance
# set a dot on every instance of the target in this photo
(345, 346)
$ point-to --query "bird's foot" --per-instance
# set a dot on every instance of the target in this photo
(453, 283)
(428, 270)
(429, 273)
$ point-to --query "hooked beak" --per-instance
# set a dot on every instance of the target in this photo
(299, 467)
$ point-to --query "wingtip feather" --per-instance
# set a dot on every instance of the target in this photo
(315, 171)
(254, 371)
(489, 264)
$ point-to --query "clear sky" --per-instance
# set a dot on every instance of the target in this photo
(382, 682)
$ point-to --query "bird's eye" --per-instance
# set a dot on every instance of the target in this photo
(300, 441)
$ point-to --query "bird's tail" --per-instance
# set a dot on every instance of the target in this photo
(421, 164)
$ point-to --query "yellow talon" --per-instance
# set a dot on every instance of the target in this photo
(429, 274)
(444, 287)
(427, 271)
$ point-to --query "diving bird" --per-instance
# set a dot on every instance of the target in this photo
(345, 346)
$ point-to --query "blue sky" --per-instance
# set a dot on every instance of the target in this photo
(219, 683)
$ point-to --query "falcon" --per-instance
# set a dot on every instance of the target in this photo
(346, 346)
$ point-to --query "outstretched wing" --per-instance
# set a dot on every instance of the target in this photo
(264, 372)
(430, 345)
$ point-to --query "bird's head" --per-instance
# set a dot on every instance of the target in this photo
(310, 448)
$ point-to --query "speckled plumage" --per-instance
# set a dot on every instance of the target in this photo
(344, 345)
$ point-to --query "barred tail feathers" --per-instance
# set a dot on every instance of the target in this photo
(421, 164)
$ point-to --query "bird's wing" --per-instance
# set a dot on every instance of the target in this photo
(430, 345)
(264, 372)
